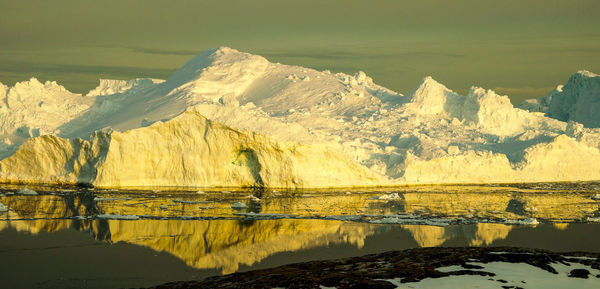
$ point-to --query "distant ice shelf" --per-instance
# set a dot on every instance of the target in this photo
(233, 119)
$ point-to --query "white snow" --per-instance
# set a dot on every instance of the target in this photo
(110, 86)
(515, 274)
(229, 118)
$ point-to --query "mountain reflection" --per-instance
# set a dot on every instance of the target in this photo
(228, 242)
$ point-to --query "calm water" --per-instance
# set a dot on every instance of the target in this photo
(74, 237)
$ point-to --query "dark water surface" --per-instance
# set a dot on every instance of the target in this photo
(74, 237)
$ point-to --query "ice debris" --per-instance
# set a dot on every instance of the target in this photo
(593, 219)
(265, 215)
(253, 198)
(386, 197)
(27, 192)
(102, 199)
(344, 217)
(528, 221)
(238, 205)
(118, 217)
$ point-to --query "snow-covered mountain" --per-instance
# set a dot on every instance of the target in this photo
(229, 118)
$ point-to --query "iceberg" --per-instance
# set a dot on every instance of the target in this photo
(233, 119)
(577, 100)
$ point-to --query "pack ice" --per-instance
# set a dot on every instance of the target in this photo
(229, 118)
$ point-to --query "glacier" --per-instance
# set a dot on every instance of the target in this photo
(233, 119)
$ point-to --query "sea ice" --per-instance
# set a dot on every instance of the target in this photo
(101, 199)
(118, 217)
(27, 192)
(238, 205)
(385, 197)
(528, 221)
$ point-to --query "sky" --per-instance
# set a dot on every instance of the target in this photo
(522, 48)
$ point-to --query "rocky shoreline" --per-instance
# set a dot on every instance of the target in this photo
(414, 265)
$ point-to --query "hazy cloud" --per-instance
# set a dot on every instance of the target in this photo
(159, 51)
(26, 67)
(346, 55)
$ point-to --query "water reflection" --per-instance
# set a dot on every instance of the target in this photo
(225, 240)
(227, 244)
(481, 234)
(206, 244)
(473, 202)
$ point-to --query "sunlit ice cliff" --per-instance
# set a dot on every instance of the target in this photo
(229, 118)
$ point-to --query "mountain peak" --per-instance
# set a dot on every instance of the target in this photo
(231, 69)
(215, 56)
(222, 50)
(584, 79)
(428, 88)
(430, 96)
(429, 84)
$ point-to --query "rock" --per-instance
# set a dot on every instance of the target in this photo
(579, 273)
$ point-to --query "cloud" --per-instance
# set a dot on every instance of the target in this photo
(346, 55)
(26, 67)
(584, 50)
(158, 51)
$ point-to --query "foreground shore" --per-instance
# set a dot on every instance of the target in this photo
(496, 267)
